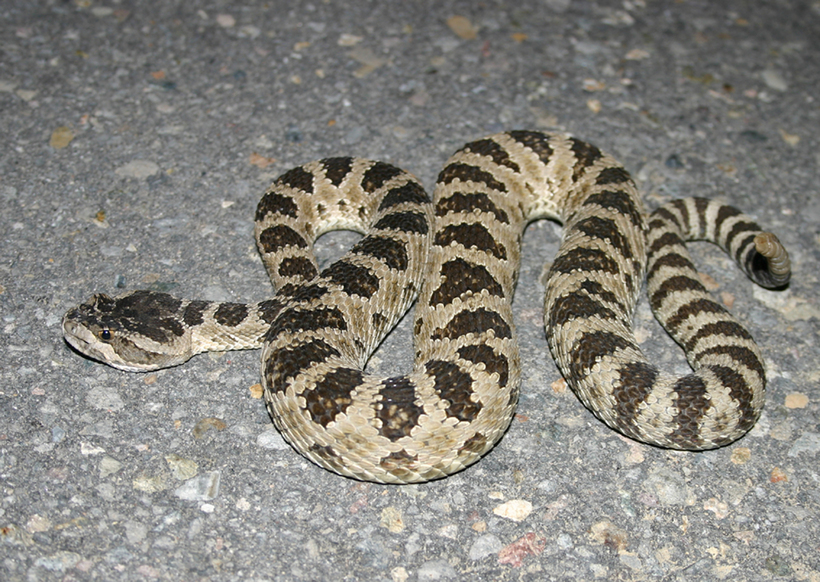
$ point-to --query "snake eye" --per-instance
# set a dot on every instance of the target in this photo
(105, 334)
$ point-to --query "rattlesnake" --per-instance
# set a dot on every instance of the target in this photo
(460, 255)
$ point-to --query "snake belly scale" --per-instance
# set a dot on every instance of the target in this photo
(459, 254)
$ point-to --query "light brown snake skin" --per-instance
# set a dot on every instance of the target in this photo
(460, 254)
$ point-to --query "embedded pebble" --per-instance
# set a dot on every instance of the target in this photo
(109, 466)
(111, 251)
(135, 532)
(515, 509)
(462, 27)
(808, 442)
(137, 169)
(205, 487)
(606, 533)
(347, 39)
(149, 483)
(530, 544)
(89, 449)
(38, 523)
(57, 434)
(104, 398)
(796, 400)
(774, 80)
(436, 570)
(61, 137)
(59, 561)
(669, 487)
(484, 546)
(225, 20)
(449, 531)
(181, 468)
(392, 520)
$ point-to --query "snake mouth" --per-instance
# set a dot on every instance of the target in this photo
(74, 334)
(81, 340)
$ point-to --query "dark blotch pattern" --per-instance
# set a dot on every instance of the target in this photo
(467, 173)
(475, 445)
(489, 148)
(307, 293)
(619, 202)
(593, 346)
(673, 260)
(667, 239)
(662, 214)
(698, 220)
(148, 313)
(231, 314)
(605, 229)
(692, 404)
(586, 155)
(479, 321)
(460, 278)
(613, 175)
(160, 303)
(585, 259)
(740, 354)
(598, 290)
(536, 142)
(726, 212)
(336, 169)
(194, 311)
(400, 463)
(724, 328)
(674, 285)
(287, 363)
(276, 203)
(740, 392)
(331, 395)
(297, 178)
(693, 308)
(296, 319)
(410, 192)
(378, 321)
(454, 386)
(404, 221)
(397, 409)
(636, 382)
(275, 238)
(493, 363)
(354, 279)
(747, 229)
(471, 236)
(468, 202)
(390, 251)
(377, 175)
(571, 307)
(268, 310)
(300, 267)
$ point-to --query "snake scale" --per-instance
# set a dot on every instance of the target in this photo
(459, 254)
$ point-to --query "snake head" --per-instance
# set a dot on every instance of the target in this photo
(138, 331)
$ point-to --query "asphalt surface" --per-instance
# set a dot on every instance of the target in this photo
(136, 140)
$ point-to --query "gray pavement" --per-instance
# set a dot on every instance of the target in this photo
(136, 140)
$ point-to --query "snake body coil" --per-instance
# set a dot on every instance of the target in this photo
(460, 255)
